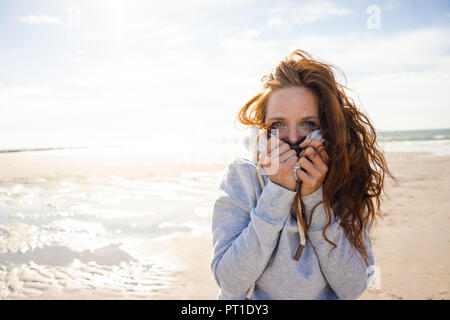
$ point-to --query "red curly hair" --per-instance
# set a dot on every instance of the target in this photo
(355, 178)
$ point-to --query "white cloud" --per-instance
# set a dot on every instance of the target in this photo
(259, 58)
(406, 100)
(40, 19)
(315, 11)
(391, 5)
(171, 35)
(252, 33)
(92, 35)
(401, 79)
(9, 92)
(379, 53)
(154, 32)
(188, 8)
(308, 12)
(277, 22)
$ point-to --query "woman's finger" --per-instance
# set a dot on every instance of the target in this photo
(278, 155)
(272, 144)
(318, 145)
(264, 160)
(316, 159)
(277, 152)
(287, 155)
(305, 177)
(306, 164)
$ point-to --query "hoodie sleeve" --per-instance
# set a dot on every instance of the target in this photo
(345, 271)
(245, 229)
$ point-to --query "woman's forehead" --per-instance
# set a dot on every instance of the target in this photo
(293, 102)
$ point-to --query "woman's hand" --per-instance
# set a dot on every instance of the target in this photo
(279, 159)
(314, 160)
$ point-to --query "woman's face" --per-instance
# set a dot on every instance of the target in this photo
(294, 111)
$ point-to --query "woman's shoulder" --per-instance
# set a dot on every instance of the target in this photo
(241, 173)
(243, 165)
(244, 161)
(235, 198)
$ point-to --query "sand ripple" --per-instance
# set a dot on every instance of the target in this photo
(82, 281)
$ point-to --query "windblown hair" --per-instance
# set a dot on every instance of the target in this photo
(355, 177)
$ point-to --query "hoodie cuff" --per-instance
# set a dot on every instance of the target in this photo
(275, 200)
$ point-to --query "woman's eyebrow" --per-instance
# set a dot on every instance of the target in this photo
(303, 119)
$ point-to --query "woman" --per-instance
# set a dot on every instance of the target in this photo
(287, 231)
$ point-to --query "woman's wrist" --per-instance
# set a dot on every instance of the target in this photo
(312, 195)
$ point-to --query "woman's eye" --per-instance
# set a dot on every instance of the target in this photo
(309, 123)
(276, 124)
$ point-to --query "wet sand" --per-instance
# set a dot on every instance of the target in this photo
(69, 254)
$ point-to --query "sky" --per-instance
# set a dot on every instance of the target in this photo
(84, 72)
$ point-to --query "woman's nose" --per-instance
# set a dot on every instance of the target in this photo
(293, 136)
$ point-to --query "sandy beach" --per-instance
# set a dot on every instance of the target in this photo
(74, 227)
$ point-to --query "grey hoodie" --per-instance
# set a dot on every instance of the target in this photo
(255, 236)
